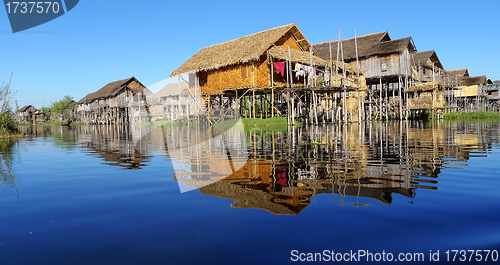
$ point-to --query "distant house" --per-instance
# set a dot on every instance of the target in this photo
(492, 94)
(469, 94)
(428, 67)
(25, 114)
(471, 86)
(383, 59)
(173, 101)
(453, 78)
(118, 102)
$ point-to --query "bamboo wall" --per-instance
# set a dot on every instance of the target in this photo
(467, 91)
(427, 100)
(251, 74)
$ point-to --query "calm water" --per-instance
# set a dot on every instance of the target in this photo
(112, 194)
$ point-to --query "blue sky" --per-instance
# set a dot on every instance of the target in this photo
(103, 41)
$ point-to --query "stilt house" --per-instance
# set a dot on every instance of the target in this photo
(492, 93)
(246, 62)
(453, 78)
(263, 63)
(25, 114)
(382, 58)
(469, 95)
(428, 67)
(173, 102)
(118, 102)
(388, 65)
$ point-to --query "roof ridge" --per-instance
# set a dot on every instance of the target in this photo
(275, 28)
(357, 37)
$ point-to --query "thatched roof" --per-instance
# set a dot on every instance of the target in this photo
(425, 87)
(369, 45)
(304, 57)
(172, 90)
(239, 51)
(457, 73)
(27, 108)
(474, 80)
(393, 46)
(426, 59)
(112, 89)
(364, 43)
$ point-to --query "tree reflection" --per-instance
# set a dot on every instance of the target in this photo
(7, 173)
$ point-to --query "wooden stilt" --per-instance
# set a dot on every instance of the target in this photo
(357, 69)
(253, 103)
(272, 102)
(380, 100)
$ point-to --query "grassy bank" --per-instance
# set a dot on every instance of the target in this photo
(470, 115)
(271, 124)
(257, 122)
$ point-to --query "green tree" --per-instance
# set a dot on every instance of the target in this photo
(46, 111)
(64, 106)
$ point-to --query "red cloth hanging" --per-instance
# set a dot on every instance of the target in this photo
(280, 68)
(282, 178)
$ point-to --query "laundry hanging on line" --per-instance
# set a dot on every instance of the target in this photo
(307, 69)
(297, 66)
(299, 73)
(280, 68)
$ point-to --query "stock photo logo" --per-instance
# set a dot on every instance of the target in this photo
(25, 15)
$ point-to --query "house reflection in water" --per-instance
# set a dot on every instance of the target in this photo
(119, 145)
(282, 172)
(285, 170)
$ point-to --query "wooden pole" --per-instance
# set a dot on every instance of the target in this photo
(335, 107)
(337, 62)
(253, 103)
(313, 72)
(406, 94)
(400, 99)
(344, 105)
(272, 88)
(222, 112)
(380, 100)
(179, 95)
(272, 102)
(331, 61)
(236, 104)
(288, 77)
(315, 108)
(357, 68)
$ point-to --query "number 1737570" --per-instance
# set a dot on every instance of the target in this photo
(472, 255)
(32, 7)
